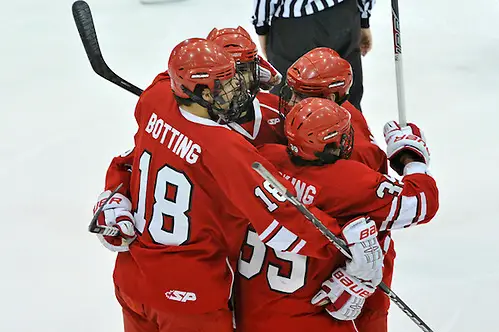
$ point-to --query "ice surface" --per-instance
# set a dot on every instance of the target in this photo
(60, 124)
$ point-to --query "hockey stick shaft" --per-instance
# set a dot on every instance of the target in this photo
(337, 242)
(86, 28)
(399, 75)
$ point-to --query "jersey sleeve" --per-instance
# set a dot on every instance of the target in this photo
(393, 204)
(416, 203)
(278, 223)
(120, 172)
(120, 169)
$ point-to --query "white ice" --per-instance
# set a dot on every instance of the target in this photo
(61, 124)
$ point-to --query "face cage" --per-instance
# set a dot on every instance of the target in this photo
(285, 95)
(253, 69)
(288, 98)
(237, 103)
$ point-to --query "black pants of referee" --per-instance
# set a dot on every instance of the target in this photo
(337, 27)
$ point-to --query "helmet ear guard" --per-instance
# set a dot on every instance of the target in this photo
(333, 152)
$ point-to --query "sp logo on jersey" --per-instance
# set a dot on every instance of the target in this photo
(273, 121)
(180, 296)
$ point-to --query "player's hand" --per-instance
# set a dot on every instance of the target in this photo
(343, 295)
(366, 41)
(366, 264)
(116, 213)
(401, 141)
(269, 76)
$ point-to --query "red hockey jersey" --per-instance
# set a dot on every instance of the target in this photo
(267, 123)
(193, 192)
(266, 126)
(274, 289)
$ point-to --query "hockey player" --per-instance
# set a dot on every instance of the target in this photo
(323, 73)
(252, 124)
(261, 122)
(273, 288)
(192, 194)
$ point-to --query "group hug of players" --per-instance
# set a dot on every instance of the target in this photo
(206, 244)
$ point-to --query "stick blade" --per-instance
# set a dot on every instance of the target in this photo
(86, 28)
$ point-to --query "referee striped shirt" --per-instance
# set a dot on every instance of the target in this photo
(265, 10)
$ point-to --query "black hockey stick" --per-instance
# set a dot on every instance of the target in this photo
(337, 242)
(85, 24)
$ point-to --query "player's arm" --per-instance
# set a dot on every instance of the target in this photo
(414, 200)
(409, 202)
(120, 171)
(116, 212)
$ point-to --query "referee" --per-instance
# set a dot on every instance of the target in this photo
(288, 29)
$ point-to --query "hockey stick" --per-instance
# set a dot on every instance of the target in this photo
(337, 242)
(85, 24)
(99, 229)
(399, 76)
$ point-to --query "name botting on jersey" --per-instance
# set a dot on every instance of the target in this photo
(178, 143)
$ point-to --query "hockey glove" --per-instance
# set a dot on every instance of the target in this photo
(409, 139)
(343, 295)
(116, 213)
(367, 256)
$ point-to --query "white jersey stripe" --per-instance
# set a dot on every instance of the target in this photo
(282, 240)
(268, 230)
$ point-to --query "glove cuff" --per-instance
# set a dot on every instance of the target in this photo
(359, 230)
(415, 167)
(112, 247)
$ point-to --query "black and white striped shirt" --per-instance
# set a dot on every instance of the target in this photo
(265, 10)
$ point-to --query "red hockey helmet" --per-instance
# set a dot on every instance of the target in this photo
(319, 129)
(236, 41)
(320, 73)
(239, 44)
(198, 61)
